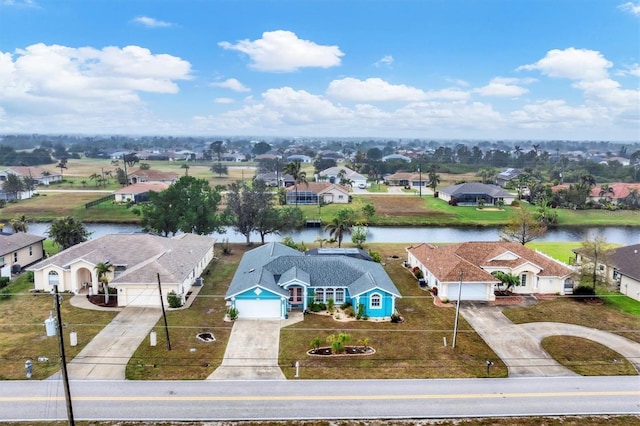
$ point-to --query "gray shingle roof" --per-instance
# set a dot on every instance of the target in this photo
(277, 260)
(627, 260)
(475, 188)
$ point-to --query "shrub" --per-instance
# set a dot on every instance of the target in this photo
(360, 314)
(349, 311)
(515, 203)
(377, 257)
(175, 301)
(5, 293)
(396, 318)
(4, 281)
(233, 314)
(418, 272)
(330, 305)
(315, 343)
(345, 305)
(583, 292)
(226, 248)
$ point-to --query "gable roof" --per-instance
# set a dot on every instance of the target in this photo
(627, 260)
(142, 187)
(154, 174)
(32, 171)
(475, 258)
(318, 187)
(620, 190)
(14, 242)
(273, 264)
(143, 255)
(475, 188)
(349, 174)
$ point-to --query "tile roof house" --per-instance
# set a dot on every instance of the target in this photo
(471, 192)
(18, 251)
(138, 192)
(137, 258)
(467, 267)
(621, 267)
(273, 279)
(312, 192)
(151, 175)
(40, 175)
(617, 192)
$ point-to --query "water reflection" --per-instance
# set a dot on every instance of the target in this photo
(618, 235)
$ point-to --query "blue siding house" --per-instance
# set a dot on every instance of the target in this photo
(273, 279)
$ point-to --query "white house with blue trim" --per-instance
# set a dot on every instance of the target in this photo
(273, 279)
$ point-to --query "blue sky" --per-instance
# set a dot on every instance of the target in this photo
(429, 69)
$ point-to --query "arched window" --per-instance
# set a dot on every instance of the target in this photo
(319, 295)
(339, 296)
(54, 278)
(329, 294)
(376, 301)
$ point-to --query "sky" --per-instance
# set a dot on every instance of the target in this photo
(402, 69)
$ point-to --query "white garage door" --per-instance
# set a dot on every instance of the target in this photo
(139, 297)
(469, 292)
(258, 308)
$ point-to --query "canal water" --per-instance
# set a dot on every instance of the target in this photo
(617, 235)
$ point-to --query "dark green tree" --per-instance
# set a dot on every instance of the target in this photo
(67, 232)
(220, 169)
(247, 206)
(13, 185)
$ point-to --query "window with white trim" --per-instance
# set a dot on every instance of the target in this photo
(328, 294)
(339, 295)
(54, 278)
(376, 301)
(523, 280)
(319, 295)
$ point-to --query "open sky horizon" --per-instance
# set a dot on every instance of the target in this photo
(437, 69)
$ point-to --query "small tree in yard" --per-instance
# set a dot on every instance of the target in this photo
(102, 271)
(507, 279)
(175, 301)
(315, 343)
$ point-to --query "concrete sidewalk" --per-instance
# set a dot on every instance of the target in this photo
(253, 349)
(107, 354)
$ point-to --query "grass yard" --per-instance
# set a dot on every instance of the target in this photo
(561, 251)
(22, 332)
(412, 349)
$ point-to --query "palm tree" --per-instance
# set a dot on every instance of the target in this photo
(607, 192)
(96, 178)
(339, 225)
(434, 178)
(294, 169)
(186, 167)
(103, 269)
(633, 199)
(19, 223)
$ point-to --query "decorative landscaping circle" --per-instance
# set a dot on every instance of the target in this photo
(205, 337)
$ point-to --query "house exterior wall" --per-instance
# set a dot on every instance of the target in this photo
(386, 308)
(630, 287)
(24, 257)
(334, 195)
(263, 295)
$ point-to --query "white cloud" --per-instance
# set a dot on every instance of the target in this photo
(630, 7)
(94, 87)
(151, 22)
(283, 51)
(503, 87)
(378, 90)
(558, 114)
(20, 3)
(633, 69)
(232, 84)
(572, 63)
(386, 61)
(223, 101)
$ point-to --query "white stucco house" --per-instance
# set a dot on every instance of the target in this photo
(137, 261)
(466, 268)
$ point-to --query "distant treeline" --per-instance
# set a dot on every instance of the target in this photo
(10, 157)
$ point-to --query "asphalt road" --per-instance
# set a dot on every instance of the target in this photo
(306, 399)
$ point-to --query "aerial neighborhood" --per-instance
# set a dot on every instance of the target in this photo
(338, 294)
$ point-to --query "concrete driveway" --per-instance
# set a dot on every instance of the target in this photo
(252, 350)
(519, 345)
(106, 355)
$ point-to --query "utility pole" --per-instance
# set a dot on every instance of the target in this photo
(420, 182)
(455, 327)
(63, 358)
(164, 314)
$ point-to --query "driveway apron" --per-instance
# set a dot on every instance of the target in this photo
(107, 355)
(252, 352)
(519, 349)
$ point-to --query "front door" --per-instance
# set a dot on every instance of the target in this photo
(295, 297)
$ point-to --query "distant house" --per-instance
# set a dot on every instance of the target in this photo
(233, 157)
(274, 179)
(393, 157)
(7, 196)
(18, 251)
(299, 157)
(151, 175)
(331, 175)
(313, 192)
(471, 193)
(39, 175)
(616, 192)
(137, 261)
(407, 179)
(273, 279)
(506, 176)
(138, 192)
(466, 268)
(620, 267)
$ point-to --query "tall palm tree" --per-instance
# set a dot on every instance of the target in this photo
(607, 192)
(338, 226)
(434, 178)
(633, 199)
(294, 169)
(103, 269)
